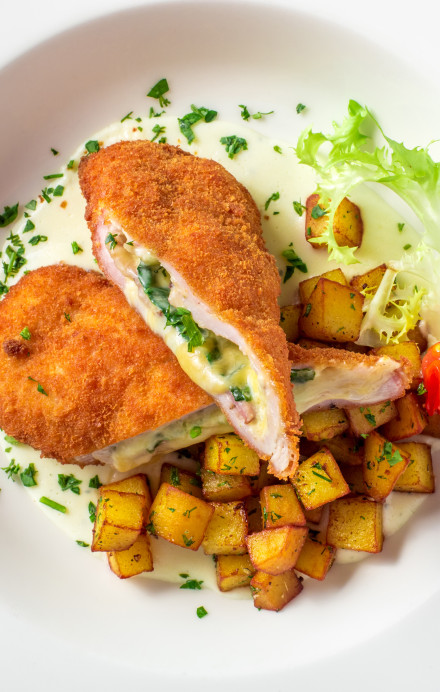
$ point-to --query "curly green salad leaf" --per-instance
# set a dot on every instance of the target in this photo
(349, 156)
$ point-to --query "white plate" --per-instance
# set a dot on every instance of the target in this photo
(63, 614)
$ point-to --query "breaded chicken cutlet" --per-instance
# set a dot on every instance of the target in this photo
(182, 238)
(80, 370)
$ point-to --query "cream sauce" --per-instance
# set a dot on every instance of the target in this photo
(264, 172)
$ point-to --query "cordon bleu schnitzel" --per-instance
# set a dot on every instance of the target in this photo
(182, 238)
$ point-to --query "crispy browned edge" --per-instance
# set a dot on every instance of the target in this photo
(106, 375)
(199, 219)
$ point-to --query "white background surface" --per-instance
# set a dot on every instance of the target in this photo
(34, 655)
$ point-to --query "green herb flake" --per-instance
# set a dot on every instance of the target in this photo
(39, 387)
(234, 145)
(188, 541)
(76, 248)
(195, 431)
(69, 482)
(95, 482)
(83, 544)
(187, 121)
(299, 208)
(158, 130)
(293, 262)
(9, 215)
(127, 117)
(158, 90)
(246, 115)
(193, 584)
(175, 477)
(201, 612)
(53, 176)
(92, 512)
(12, 470)
(67, 316)
(70, 164)
(300, 107)
(32, 205)
(53, 505)
(12, 440)
(111, 240)
(273, 198)
(25, 334)
(407, 246)
(29, 226)
(421, 389)
(37, 239)
(277, 149)
(92, 146)
(400, 227)
(317, 212)
(241, 393)
(54, 151)
(302, 375)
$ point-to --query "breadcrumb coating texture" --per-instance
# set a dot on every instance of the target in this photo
(106, 375)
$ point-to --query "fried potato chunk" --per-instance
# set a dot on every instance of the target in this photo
(323, 425)
(184, 480)
(307, 286)
(316, 557)
(274, 592)
(355, 523)
(383, 464)
(227, 530)
(410, 419)
(332, 313)
(217, 487)
(179, 517)
(366, 418)
(133, 561)
(319, 480)
(228, 454)
(418, 477)
(120, 517)
(233, 571)
(289, 321)
(280, 507)
(348, 227)
(276, 550)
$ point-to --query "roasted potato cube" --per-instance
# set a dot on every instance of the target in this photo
(346, 449)
(370, 281)
(405, 350)
(227, 530)
(313, 516)
(264, 478)
(289, 321)
(179, 517)
(323, 425)
(307, 286)
(233, 571)
(347, 222)
(318, 480)
(333, 313)
(274, 592)
(410, 419)
(179, 478)
(217, 487)
(229, 455)
(316, 557)
(280, 506)
(355, 523)
(120, 518)
(137, 484)
(253, 514)
(418, 476)
(433, 426)
(383, 464)
(276, 550)
(367, 418)
(135, 560)
(354, 476)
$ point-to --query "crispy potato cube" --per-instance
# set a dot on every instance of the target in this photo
(354, 476)
(347, 222)
(410, 419)
(333, 313)
(316, 557)
(276, 550)
(274, 592)
(120, 518)
(319, 480)
(184, 480)
(137, 484)
(217, 487)
(383, 464)
(313, 516)
(280, 506)
(355, 523)
(227, 530)
(346, 449)
(179, 517)
(323, 425)
(229, 455)
(253, 514)
(367, 418)
(135, 560)
(433, 426)
(233, 571)
(418, 476)
(408, 350)
(370, 281)
(307, 286)
(289, 321)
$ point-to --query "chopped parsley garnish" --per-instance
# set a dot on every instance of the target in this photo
(391, 457)
(9, 215)
(187, 121)
(213, 355)
(277, 149)
(299, 208)
(188, 541)
(273, 198)
(193, 584)
(12, 440)
(241, 393)
(302, 375)
(29, 226)
(39, 387)
(324, 478)
(76, 248)
(12, 470)
(158, 90)
(14, 254)
(69, 482)
(407, 246)
(175, 477)
(83, 544)
(421, 389)
(28, 476)
(195, 431)
(92, 146)
(54, 151)
(67, 316)
(256, 116)
(95, 482)
(234, 145)
(293, 262)
(300, 107)
(53, 505)
(32, 205)
(318, 211)
(127, 117)
(52, 176)
(92, 512)
(201, 612)
(70, 164)
(25, 334)
(111, 240)
(158, 130)
(187, 512)
(36, 239)
(400, 227)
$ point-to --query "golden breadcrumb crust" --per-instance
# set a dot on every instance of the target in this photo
(106, 375)
(195, 216)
